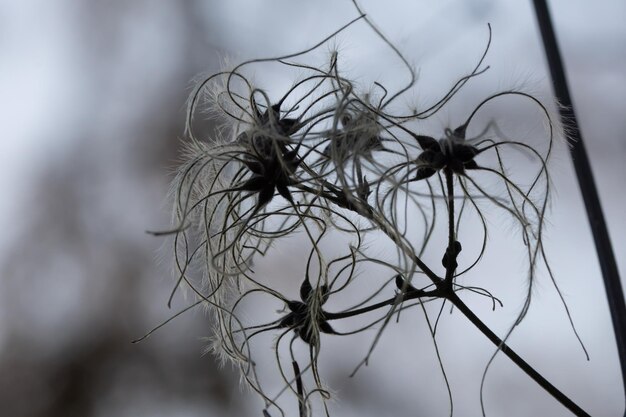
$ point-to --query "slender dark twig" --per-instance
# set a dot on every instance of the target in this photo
(409, 294)
(608, 265)
(451, 237)
(300, 388)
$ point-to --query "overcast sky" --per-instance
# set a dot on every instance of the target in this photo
(97, 77)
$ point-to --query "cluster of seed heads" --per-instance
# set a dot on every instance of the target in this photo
(325, 159)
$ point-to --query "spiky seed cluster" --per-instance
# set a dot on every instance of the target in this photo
(358, 136)
(306, 318)
(451, 152)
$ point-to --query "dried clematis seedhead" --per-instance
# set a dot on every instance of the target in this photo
(322, 160)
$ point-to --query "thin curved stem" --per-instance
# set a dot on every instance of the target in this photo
(589, 191)
(451, 233)
(410, 294)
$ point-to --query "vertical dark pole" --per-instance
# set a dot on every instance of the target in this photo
(612, 285)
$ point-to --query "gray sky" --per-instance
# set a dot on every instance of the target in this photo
(86, 88)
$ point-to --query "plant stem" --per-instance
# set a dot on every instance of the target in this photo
(410, 294)
(604, 250)
(300, 389)
(451, 237)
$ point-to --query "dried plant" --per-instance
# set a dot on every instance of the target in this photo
(324, 160)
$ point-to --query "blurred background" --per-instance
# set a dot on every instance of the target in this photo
(92, 98)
